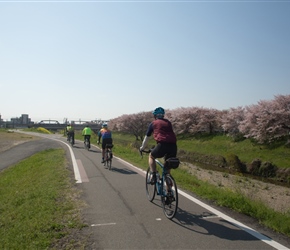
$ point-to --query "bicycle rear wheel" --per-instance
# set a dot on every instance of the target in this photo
(170, 200)
(109, 163)
(150, 189)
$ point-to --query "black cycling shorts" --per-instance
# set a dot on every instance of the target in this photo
(106, 141)
(165, 150)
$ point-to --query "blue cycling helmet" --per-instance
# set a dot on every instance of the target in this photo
(158, 112)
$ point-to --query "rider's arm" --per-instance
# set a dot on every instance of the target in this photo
(99, 135)
(146, 138)
(144, 143)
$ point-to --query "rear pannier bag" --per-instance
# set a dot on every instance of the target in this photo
(171, 163)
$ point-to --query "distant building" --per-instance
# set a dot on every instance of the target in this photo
(22, 120)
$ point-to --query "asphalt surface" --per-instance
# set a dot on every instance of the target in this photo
(24, 150)
(120, 216)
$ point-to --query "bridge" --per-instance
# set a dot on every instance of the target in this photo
(55, 125)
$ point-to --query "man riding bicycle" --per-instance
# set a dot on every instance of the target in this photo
(165, 138)
(106, 136)
(70, 133)
(87, 132)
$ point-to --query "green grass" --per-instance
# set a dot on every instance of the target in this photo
(245, 150)
(36, 205)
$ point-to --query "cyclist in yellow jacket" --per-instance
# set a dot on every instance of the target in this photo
(87, 132)
(70, 133)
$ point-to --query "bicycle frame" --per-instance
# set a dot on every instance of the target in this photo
(162, 178)
(70, 139)
(165, 187)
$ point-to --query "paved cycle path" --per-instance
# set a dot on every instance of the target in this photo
(120, 216)
(24, 150)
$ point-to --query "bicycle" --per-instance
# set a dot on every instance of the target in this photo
(70, 139)
(165, 186)
(87, 143)
(108, 156)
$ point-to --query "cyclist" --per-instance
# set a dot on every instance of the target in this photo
(70, 132)
(165, 138)
(106, 136)
(87, 132)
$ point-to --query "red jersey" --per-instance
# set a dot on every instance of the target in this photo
(162, 131)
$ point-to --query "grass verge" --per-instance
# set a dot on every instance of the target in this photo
(38, 204)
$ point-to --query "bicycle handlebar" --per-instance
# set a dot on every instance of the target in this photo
(144, 151)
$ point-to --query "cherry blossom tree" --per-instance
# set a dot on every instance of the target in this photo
(183, 119)
(264, 122)
(268, 120)
(231, 120)
(207, 122)
(135, 124)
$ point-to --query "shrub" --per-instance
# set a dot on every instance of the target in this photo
(283, 175)
(253, 167)
(267, 169)
(234, 163)
(43, 130)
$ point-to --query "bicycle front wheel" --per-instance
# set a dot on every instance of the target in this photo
(170, 198)
(150, 189)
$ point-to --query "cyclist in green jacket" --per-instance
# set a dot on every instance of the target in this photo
(87, 132)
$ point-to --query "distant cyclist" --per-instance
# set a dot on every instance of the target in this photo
(87, 132)
(106, 136)
(70, 132)
(165, 138)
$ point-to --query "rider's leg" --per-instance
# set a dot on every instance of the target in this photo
(152, 165)
(103, 155)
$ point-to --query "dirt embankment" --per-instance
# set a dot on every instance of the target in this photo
(274, 196)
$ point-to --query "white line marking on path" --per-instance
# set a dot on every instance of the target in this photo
(73, 159)
(238, 224)
(83, 172)
(104, 224)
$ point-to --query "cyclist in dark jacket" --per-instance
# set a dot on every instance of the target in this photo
(165, 138)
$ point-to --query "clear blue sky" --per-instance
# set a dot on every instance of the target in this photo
(101, 59)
